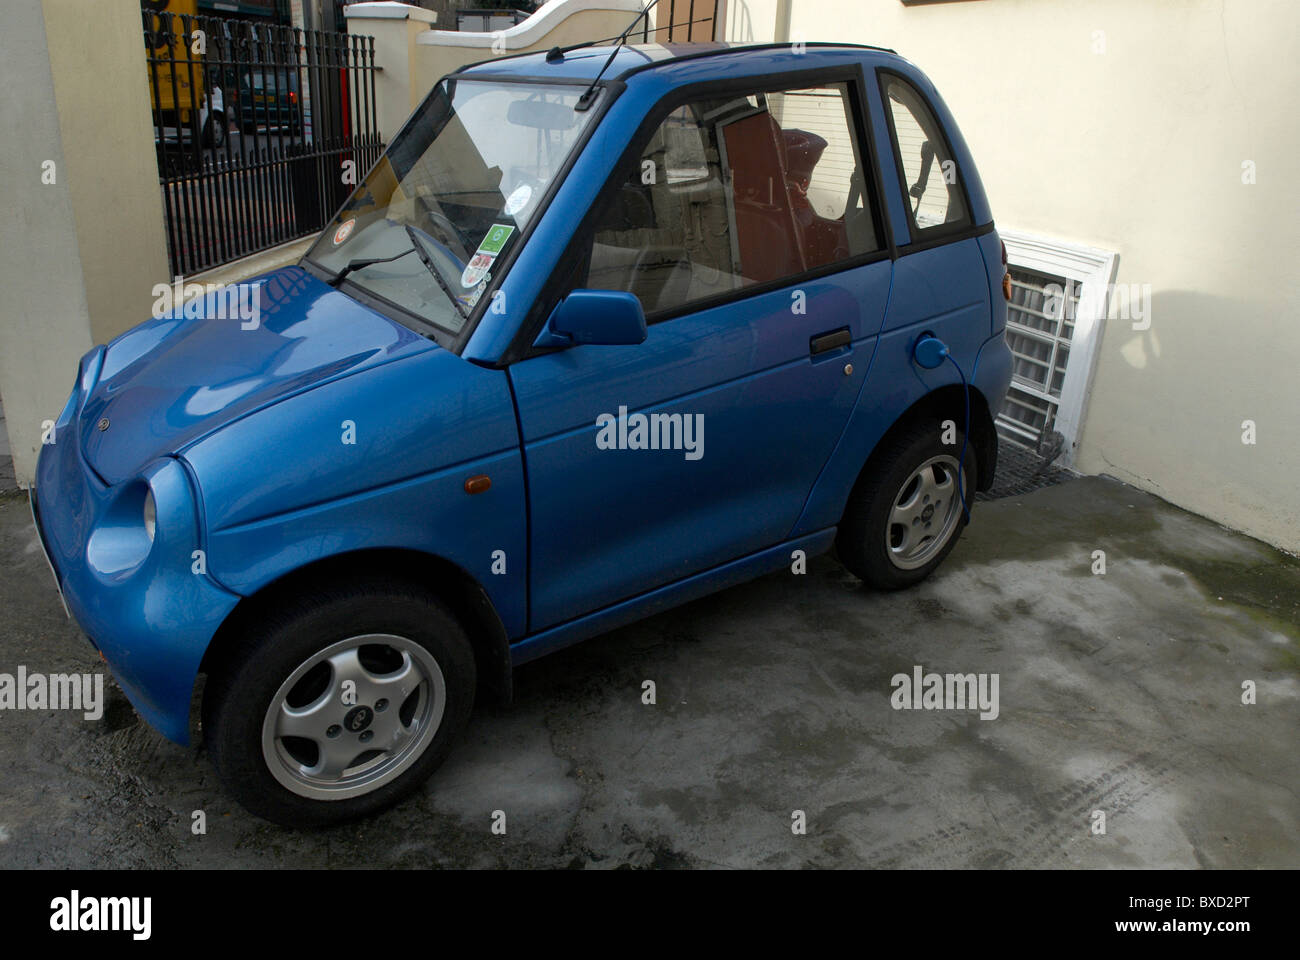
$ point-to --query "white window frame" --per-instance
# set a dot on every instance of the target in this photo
(1094, 269)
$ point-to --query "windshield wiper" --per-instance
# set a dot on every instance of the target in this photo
(417, 248)
(364, 262)
(432, 267)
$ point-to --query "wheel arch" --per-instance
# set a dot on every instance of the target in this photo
(945, 403)
(451, 584)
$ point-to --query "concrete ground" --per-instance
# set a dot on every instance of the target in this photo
(1119, 693)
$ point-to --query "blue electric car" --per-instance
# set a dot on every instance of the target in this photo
(605, 330)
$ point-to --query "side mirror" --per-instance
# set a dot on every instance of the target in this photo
(605, 317)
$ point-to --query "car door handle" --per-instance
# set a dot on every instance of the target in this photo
(828, 341)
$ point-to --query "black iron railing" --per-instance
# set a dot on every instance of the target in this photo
(261, 131)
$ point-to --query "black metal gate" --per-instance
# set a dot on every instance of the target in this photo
(261, 131)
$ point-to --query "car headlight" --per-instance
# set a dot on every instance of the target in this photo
(150, 515)
(124, 533)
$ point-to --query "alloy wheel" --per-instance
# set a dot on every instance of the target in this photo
(353, 716)
(925, 513)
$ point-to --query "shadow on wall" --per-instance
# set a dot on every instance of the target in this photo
(1193, 399)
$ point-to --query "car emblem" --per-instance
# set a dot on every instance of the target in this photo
(103, 424)
(358, 719)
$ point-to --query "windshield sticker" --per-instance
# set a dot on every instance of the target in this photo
(496, 238)
(344, 231)
(478, 268)
(486, 254)
(467, 300)
(518, 200)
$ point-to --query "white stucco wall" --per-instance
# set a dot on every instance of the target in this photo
(754, 21)
(82, 252)
(554, 24)
(1125, 126)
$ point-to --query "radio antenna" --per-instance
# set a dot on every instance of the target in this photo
(589, 95)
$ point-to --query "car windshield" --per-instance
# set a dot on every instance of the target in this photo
(451, 195)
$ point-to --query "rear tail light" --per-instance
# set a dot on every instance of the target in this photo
(1006, 274)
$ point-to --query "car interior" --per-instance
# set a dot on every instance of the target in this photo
(727, 206)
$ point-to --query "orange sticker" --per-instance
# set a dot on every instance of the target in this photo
(344, 231)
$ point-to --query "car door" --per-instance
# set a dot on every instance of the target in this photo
(744, 224)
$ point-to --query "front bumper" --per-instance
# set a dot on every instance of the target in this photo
(153, 619)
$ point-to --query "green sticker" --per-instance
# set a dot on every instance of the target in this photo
(496, 239)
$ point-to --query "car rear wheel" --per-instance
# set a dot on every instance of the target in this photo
(340, 705)
(905, 517)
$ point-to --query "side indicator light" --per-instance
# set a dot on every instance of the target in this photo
(477, 484)
(1006, 286)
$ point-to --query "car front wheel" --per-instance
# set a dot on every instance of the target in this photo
(340, 705)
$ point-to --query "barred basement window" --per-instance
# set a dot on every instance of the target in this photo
(1040, 324)
(1059, 296)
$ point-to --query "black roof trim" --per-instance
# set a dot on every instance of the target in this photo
(720, 51)
(711, 51)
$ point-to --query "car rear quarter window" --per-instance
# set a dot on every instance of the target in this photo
(926, 168)
(737, 191)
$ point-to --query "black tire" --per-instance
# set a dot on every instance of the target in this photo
(867, 533)
(249, 675)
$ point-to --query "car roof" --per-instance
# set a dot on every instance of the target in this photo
(632, 58)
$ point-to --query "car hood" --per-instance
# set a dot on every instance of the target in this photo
(170, 381)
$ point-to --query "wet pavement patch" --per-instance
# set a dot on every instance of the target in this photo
(1120, 693)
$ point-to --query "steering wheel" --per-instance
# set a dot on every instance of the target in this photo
(449, 230)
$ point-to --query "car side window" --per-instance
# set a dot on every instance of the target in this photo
(733, 192)
(929, 173)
